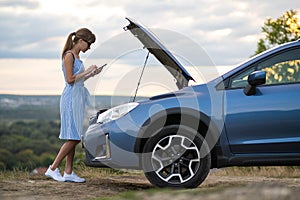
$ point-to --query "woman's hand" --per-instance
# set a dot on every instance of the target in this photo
(91, 69)
(97, 71)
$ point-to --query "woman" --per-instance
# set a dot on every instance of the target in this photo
(72, 103)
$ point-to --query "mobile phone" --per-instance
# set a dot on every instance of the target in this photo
(103, 66)
(99, 69)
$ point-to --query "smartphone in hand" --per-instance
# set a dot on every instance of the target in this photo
(99, 69)
(102, 66)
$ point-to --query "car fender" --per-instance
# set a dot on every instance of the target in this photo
(191, 118)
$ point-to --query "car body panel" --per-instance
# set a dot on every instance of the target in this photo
(267, 122)
(155, 46)
(132, 127)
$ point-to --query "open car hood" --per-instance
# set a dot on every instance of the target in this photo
(155, 47)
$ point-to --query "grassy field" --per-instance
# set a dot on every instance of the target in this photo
(111, 184)
(265, 171)
(272, 171)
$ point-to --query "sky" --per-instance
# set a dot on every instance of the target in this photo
(33, 33)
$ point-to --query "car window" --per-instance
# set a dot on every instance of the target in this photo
(241, 80)
(280, 69)
(283, 68)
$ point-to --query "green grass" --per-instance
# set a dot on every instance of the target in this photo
(80, 168)
(270, 171)
(89, 172)
(16, 174)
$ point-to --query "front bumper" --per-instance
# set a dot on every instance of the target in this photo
(111, 145)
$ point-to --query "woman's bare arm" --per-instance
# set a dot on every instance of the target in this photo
(70, 77)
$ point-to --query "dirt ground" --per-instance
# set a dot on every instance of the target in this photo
(215, 187)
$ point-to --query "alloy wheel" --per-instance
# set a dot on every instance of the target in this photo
(175, 159)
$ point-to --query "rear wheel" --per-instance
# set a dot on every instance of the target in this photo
(176, 157)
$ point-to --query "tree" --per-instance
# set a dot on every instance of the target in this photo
(278, 31)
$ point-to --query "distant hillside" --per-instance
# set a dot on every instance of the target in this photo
(29, 129)
(18, 107)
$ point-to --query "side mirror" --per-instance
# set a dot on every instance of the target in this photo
(254, 79)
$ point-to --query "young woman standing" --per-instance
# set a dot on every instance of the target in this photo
(72, 103)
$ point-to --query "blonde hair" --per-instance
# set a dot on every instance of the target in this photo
(83, 33)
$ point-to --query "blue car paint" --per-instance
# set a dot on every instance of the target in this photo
(125, 131)
(269, 114)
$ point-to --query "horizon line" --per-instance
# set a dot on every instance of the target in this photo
(13, 94)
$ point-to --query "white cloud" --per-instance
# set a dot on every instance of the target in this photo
(216, 33)
(226, 29)
(22, 4)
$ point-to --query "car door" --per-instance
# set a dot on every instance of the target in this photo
(268, 121)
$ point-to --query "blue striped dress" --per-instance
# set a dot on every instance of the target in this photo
(73, 100)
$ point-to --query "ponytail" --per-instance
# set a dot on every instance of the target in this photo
(69, 44)
(82, 33)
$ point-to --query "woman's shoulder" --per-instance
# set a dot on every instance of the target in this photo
(69, 54)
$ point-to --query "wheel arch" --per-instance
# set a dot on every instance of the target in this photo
(185, 116)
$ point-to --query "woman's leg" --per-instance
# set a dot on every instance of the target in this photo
(69, 161)
(68, 146)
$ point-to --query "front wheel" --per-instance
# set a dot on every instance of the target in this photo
(176, 157)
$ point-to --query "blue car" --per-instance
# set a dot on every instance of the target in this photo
(250, 116)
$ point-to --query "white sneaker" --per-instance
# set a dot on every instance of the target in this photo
(54, 174)
(73, 178)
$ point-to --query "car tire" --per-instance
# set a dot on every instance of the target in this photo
(176, 156)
